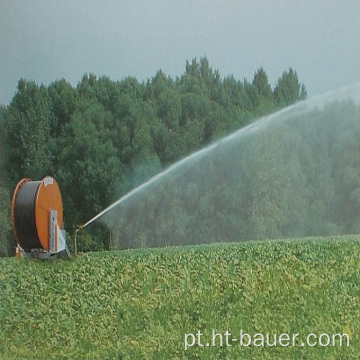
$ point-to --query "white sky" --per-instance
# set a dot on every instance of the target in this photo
(46, 40)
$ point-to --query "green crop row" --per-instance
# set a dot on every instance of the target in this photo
(140, 304)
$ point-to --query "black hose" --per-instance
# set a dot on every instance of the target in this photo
(24, 216)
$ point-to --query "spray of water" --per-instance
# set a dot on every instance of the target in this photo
(194, 157)
(182, 164)
(293, 173)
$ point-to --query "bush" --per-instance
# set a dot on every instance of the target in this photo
(7, 241)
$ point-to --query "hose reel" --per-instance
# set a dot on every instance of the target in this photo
(37, 218)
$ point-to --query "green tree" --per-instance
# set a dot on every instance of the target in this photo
(88, 166)
(261, 93)
(345, 154)
(288, 89)
(169, 108)
(3, 111)
(64, 99)
(86, 87)
(27, 127)
(235, 99)
(103, 138)
(7, 242)
(263, 186)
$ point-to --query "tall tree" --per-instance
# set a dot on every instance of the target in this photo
(288, 89)
(88, 165)
(103, 138)
(64, 99)
(261, 93)
(7, 242)
(27, 126)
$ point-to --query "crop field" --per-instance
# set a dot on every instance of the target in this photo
(180, 302)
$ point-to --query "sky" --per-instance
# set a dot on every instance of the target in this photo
(47, 40)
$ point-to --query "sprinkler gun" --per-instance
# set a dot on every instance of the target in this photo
(79, 227)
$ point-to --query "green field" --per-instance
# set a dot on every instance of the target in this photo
(140, 304)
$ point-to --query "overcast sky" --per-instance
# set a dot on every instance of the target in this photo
(46, 40)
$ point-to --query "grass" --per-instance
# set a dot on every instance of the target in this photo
(139, 304)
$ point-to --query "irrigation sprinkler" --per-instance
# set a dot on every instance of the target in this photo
(37, 219)
(78, 228)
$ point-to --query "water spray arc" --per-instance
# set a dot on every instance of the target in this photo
(186, 162)
(271, 178)
(171, 169)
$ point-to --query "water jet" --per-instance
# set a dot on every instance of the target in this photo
(293, 173)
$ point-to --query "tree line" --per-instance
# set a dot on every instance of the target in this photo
(293, 174)
(102, 138)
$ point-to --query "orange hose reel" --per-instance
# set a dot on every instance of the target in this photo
(37, 215)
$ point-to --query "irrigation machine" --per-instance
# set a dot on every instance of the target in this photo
(37, 219)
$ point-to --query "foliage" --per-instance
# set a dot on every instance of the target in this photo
(288, 89)
(103, 137)
(7, 245)
(139, 304)
(87, 147)
(292, 174)
(261, 93)
(27, 127)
